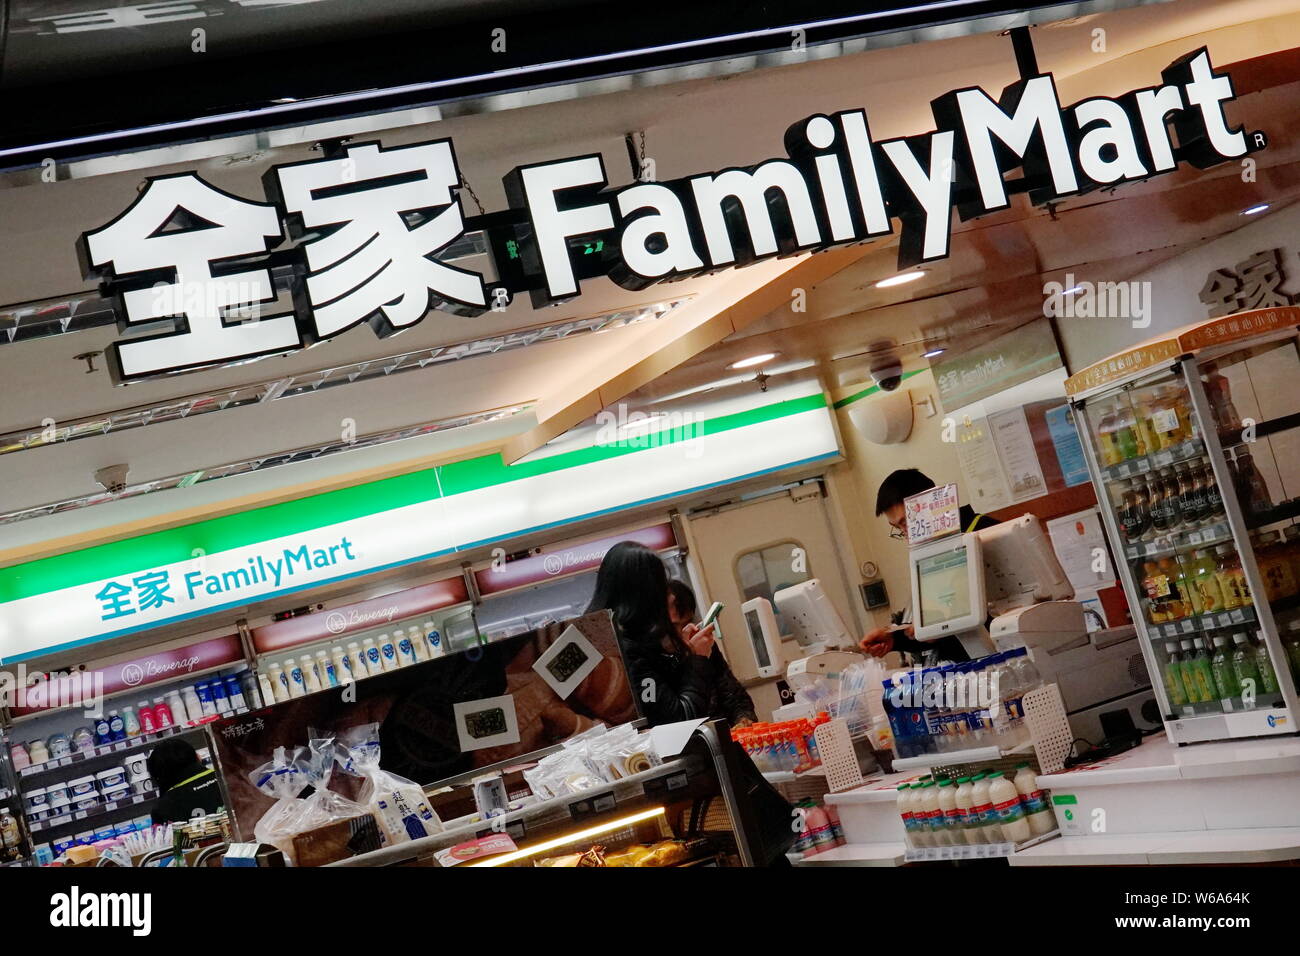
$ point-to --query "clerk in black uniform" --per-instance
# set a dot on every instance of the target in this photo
(900, 485)
(188, 788)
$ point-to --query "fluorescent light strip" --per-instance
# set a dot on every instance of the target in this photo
(568, 838)
(519, 71)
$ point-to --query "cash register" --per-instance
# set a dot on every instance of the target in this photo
(1002, 587)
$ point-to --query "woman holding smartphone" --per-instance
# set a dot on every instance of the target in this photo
(674, 668)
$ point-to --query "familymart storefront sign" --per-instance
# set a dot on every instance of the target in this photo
(188, 265)
(229, 562)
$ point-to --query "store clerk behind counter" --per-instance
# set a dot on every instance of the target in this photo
(898, 486)
(189, 789)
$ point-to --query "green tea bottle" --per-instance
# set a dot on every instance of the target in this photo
(1174, 677)
(1245, 666)
(1186, 661)
(1225, 680)
(1204, 673)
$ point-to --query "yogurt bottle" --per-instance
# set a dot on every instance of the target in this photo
(206, 706)
(1006, 803)
(148, 722)
(217, 688)
(965, 801)
(418, 643)
(162, 714)
(325, 669)
(371, 653)
(279, 683)
(130, 721)
(310, 676)
(342, 665)
(235, 692)
(1037, 812)
(358, 659)
(948, 807)
(405, 650)
(388, 652)
(176, 707)
(982, 808)
(103, 735)
(433, 638)
(297, 679)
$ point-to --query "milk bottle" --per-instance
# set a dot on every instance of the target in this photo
(904, 804)
(1006, 803)
(419, 644)
(371, 654)
(933, 819)
(342, 666)
(982, 807)
(965, 801)
(388, 652)
(1037, 812)
(310, 676)
(920, 825)
(357, 657)
(948, 807)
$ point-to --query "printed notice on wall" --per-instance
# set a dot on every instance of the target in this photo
(1080, 546)
(981, 472)
(1014, 443)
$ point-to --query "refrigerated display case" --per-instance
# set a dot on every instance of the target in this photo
(1193, 446)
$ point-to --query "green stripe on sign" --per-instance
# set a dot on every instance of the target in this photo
(215, 535)
(476, 473)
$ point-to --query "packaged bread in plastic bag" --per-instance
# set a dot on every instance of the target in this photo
(399, 805)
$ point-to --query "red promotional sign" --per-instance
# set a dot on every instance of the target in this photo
(578, 557)
(139, 672)
(337, 621)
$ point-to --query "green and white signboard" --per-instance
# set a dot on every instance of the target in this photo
(139, 583)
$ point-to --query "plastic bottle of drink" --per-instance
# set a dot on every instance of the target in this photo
(1204, 672)
(1186, 667)
(419, 644)
(904, 804)
(920, 824)
(1267, 676)
(310, 675)
(1291, 641)
(217, 690)
(1037, 812)
(358, 658)
(130, 722)
(177, 706)
(1226, 685)
(148, 722)
(1010, 811)
(297, 679)
(405, 649)
(933, 817)
(948, 807)
(237, 690)
(965, 801)
(982, 807)
(341, 665)
(433, 637)
(1213, 497)
(325, 670)
(162, 713)
(388, 651)
(371, 655)
(204, 693)
(1174, 677)
(193, 705)
(1106, 444)
(279, 682)
(1245, 664)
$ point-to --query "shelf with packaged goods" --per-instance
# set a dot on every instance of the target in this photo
(661, 783)
(117, 749)
(1177, 542)
(83, 817)
(955, 758)
(1184, 450)
(1200, 623)
(1274, 515)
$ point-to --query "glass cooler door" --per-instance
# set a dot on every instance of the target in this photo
(1187, 575)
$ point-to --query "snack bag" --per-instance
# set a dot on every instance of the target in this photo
(397, 804)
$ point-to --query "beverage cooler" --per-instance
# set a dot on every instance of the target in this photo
(1193, 446)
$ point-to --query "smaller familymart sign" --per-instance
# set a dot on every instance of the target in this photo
(227, 563)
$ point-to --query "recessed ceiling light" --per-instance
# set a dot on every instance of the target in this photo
(753, 360)
(1255, 209)
(932, 353)
(900, 279)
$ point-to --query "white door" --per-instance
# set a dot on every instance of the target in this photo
(753, 549)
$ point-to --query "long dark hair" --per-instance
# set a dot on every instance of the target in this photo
(633, 583)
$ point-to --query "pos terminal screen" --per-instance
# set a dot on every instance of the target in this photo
(756, 638)
(944, 586)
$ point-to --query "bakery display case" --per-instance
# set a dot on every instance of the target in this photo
(1193, 446)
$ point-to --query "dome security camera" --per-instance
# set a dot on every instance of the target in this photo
(887, 374)
(113, 478)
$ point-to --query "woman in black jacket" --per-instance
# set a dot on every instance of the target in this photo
(727, 698)
(671, 673)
